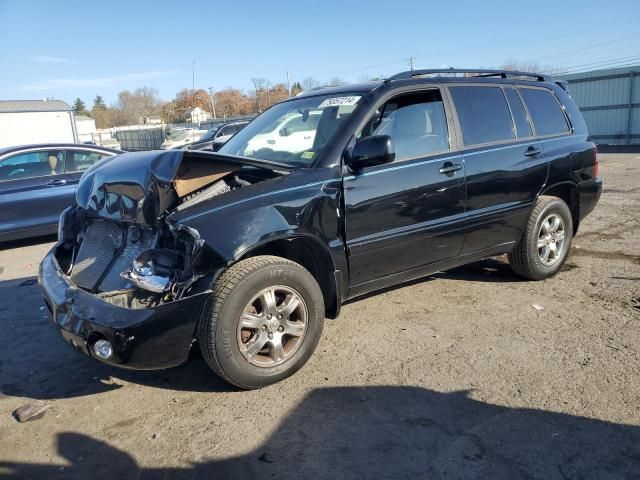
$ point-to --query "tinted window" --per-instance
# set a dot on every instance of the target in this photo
(484, 114)
(32, 164)
(79, 161)
(523, 129)
(227, 130)
(416, 122)
(545, 111)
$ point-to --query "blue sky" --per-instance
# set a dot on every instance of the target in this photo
(79, 48)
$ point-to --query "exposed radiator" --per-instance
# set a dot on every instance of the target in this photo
(102, 246)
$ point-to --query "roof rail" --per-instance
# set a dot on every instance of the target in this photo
(477, 73)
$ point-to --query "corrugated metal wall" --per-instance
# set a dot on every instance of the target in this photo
(610, 102)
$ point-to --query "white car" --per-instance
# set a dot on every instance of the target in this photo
(181, 138)
(291, 134)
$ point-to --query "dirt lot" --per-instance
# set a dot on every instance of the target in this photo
(455, 376)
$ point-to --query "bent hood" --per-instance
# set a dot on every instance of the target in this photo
(138, 187)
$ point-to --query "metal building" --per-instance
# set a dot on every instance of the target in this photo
(610, 102)
(36, 121)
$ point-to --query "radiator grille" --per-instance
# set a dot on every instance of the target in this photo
(101, 247)
(102, 240)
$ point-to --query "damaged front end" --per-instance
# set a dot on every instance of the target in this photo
(124, 284)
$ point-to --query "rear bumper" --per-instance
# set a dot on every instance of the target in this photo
(145, 339)
(589, 191)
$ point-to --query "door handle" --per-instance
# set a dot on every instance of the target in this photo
(57, 183)
(450, 168)
(532, 152)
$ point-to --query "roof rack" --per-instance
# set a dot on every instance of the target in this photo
(477, 73)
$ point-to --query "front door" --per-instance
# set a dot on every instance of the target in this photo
(403, 216)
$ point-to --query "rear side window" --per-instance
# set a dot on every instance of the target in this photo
(80, 160)
(523, 129)
(484, 114)
(545, 111)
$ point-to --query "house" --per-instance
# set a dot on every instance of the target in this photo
(36, 121)
(151, 120)
(196, 115)
(85, 128)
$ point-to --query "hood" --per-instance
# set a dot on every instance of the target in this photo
(139, 187)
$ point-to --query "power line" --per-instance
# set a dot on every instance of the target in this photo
(626, 61)
(586, 47)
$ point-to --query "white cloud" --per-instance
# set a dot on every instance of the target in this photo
(49, 59)
(97, 82)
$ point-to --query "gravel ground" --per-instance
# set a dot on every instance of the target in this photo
(454, 376)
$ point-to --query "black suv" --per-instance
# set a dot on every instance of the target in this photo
(324, 197)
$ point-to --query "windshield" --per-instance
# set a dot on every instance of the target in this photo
(293, 132)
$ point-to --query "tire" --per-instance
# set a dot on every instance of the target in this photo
(244, 289)
(527, 258)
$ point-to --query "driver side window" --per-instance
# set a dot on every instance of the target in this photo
(32, 164)
(416, 122)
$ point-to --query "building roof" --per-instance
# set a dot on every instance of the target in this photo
(16, 106)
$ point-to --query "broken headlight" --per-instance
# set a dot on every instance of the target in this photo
(154, 269)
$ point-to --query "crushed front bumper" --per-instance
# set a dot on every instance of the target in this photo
(143, 338)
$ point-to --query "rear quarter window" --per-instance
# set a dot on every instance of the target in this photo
(483, 113)
(523, 129)
(545, 111)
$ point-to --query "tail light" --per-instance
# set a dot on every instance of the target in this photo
(595, 163)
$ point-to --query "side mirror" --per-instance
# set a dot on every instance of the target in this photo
(370, 151)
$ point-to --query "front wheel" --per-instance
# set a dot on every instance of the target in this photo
(546, 241)
(264, 323)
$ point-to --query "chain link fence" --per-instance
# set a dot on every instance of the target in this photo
(135, 139)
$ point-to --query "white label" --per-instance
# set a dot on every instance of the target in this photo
(337, 101)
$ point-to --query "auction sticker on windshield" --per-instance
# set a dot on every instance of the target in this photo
(337, 101)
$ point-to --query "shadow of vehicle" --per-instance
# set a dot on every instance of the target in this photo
(35, 362)
(387, 432)
(27, 242)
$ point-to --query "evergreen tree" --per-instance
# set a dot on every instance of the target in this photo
(79, 108)
(98, 103)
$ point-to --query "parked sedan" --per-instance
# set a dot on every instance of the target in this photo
(37, 182)
(180, 138)
(217, 136)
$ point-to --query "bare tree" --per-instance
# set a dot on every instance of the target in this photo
(335, 82)
(310, 83)
(528, 66)
(132, 106)
(259, 84)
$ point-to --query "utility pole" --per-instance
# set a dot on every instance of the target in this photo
(289, 84)
(213, 102)
(410, 60)
(193, 75)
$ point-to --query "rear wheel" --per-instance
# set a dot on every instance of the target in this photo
(546, 241)
(265, 321)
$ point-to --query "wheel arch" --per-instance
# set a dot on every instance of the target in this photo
(569, 193)
(310, 253)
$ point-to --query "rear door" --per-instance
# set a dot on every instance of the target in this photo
(78, 160)
(408, 214)
(505, 165)
(34, 189)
